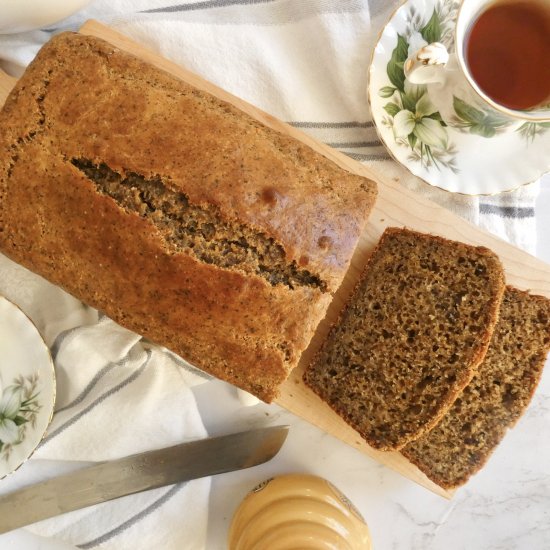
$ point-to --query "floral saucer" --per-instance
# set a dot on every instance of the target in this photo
(27, 387)
(468, 150)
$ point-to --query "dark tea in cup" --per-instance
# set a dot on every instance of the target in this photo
(507, 50)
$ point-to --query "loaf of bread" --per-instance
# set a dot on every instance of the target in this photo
(411, 336)
(173, 212)
(495, 398)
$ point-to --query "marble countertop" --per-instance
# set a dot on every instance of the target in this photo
(506, 506)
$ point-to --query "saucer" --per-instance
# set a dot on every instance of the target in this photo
(475, 154)
(27, 387)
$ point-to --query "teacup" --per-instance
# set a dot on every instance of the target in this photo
(459, 84)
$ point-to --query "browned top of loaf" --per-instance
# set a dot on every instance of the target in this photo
(101, 158)
(495, 398)
(410, 337)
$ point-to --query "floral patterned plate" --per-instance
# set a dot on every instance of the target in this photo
(467, 150)
(27, 387)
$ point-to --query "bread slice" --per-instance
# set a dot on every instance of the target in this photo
(411, 336)
(495, 398)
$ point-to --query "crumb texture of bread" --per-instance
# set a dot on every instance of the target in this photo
(493, 401)
(410, 337)
(175, 213)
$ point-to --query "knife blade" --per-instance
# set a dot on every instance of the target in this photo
(139, 472)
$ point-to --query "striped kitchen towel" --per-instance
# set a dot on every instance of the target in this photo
(303, 61)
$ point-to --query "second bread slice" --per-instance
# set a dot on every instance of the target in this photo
(496, 397)
(411, 336)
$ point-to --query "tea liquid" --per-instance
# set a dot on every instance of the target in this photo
(508, 52)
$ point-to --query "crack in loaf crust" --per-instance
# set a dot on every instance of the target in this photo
(99, 150)
(411, 336)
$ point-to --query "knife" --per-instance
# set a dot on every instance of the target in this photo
(139, 472)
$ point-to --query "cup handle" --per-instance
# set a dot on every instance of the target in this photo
(427, 65)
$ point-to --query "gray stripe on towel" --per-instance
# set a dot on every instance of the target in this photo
(54, 350)
(354, 144)
(60, 338)
(91, 385)
(257, 12)
(364, 157)
(341, 134)
(350, 124)
(207, 4)
(134, 519)
(518, 212)
(188, 367)
(99, 400)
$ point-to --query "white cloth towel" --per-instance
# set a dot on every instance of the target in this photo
(304, 62)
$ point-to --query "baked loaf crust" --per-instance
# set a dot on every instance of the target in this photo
(178, 215)
(495, 398)
(411, 336)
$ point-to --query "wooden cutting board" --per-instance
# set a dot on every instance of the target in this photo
(396, 206)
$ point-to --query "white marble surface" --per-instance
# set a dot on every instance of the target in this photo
(504, 507)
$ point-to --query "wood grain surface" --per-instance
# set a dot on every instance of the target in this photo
(396, 206)
(6, 84)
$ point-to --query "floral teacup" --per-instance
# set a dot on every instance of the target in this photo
(430, 115)
(453, 90)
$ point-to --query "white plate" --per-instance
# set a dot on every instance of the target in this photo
(507, 158)
(27, 387)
